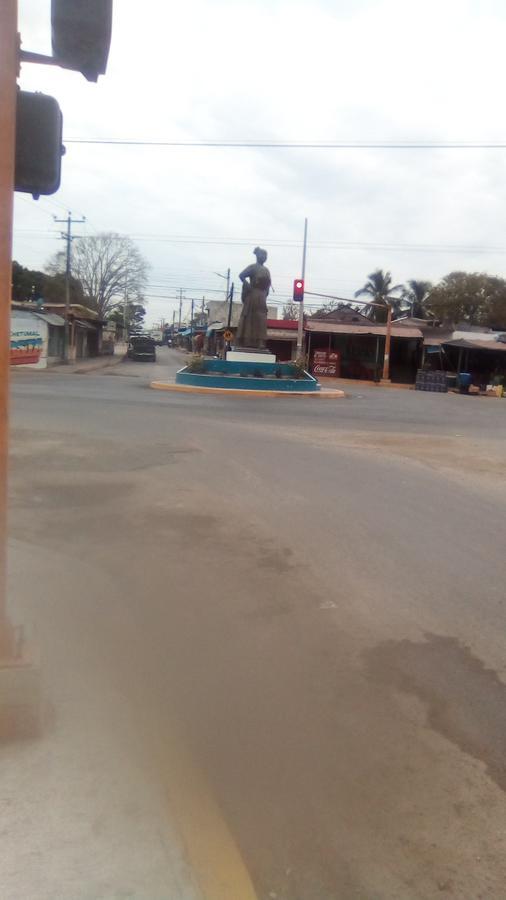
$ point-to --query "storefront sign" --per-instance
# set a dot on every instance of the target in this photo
(26, 342)
(326, 363)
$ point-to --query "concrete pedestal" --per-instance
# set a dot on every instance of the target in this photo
(251, 356)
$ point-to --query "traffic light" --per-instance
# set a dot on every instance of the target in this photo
(298, 290)
(38, 144)
(81, 35)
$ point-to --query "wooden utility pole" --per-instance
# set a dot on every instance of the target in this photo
(8, 75)
(388, 339)
(68, 238)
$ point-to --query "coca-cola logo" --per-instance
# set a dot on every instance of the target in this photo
(321, 369)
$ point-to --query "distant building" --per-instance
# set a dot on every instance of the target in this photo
(38, 333)
(36, 337)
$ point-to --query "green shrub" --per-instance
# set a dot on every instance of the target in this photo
(299, 367)
(197, 364)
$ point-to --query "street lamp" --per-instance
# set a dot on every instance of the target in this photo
(227, 279)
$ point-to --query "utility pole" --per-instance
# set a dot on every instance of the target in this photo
(227, 278)
(180, 307)
(388, 337)
(300, 329)
(67, 236)
(191, 325)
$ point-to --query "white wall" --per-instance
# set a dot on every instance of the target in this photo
(29, 337)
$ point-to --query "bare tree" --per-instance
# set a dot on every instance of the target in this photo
(110, 268)
(291, 311)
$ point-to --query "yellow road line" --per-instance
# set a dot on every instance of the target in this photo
(238, 392)
(212, 852)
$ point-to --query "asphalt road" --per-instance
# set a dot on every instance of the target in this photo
(314, 592)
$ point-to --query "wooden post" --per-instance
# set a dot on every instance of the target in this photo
(8, 75)
(388, 338)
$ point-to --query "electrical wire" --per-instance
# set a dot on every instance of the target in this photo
(296, 145)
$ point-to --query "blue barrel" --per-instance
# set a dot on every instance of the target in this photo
(465, 380)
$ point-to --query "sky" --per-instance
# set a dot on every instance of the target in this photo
(300, 71)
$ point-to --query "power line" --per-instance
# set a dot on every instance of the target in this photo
(296, 145)
(287, 243)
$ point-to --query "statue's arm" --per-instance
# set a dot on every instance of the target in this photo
(246, 273)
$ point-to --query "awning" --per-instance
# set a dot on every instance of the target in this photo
(83, 324)
(277, 334)
(215, 326)
(51, 319)
(495, 346)
(397, 331)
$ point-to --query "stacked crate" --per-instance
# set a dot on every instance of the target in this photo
(431, 381)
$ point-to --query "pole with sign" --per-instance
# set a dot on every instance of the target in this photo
(300, 297)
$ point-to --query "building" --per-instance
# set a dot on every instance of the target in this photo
(462, 348)
(85, 328)
(36, 337)
(282, 338)
(38, 333)
(355, 346)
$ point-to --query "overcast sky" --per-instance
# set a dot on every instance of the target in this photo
(315, 71)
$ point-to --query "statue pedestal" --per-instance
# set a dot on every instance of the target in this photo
(253, 356)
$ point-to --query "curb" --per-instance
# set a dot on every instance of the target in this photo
(238, 392)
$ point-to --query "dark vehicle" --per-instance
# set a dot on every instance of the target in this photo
(141, 347)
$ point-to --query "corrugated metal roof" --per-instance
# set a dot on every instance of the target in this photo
(83, 324)
(478, 345)
(336, 328)
(51, 318)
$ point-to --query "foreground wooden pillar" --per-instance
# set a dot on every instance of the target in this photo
(8, 75)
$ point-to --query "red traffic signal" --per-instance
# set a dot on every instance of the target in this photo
(298, 290)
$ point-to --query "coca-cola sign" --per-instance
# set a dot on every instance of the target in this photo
(328, 370)
(326, 363)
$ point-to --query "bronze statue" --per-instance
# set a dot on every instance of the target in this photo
(252, 328)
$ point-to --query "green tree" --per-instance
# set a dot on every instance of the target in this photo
(134, 317)
(54, 289)
(417, 296)
(30, 284)
(472, 297)
(27, 284)
(110, 268)
(380, 289)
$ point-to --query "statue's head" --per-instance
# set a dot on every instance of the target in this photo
(261, 255)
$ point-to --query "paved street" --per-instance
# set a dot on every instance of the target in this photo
(275, 626)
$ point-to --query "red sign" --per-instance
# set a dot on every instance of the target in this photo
(326, 363)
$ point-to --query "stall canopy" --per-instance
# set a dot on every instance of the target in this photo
(478, 345)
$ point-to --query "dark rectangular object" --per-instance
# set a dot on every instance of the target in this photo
(81, 35)
(39, 125)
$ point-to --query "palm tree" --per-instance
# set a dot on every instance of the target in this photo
(417, 295)
(380, 289)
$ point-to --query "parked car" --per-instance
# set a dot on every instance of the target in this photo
(142, 347)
